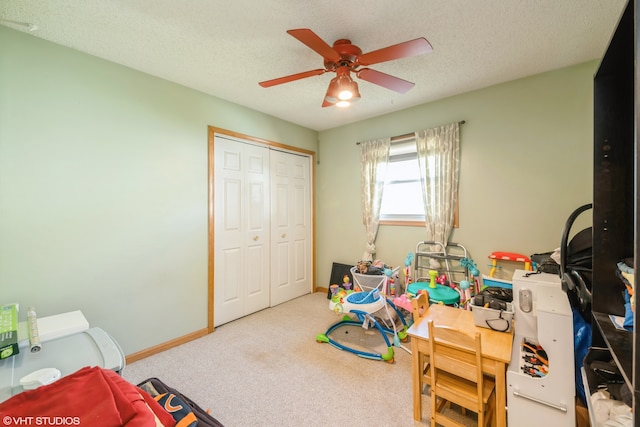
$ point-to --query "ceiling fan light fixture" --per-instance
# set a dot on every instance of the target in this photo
(342, 88)
(345, 95)
(333, 91)
(344, 57)
(355, 93)
(348, 90)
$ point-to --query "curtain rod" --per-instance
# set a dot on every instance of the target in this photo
(409, 135)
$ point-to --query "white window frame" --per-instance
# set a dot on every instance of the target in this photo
(404, 148)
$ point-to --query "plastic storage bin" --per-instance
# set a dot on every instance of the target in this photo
(498, 320)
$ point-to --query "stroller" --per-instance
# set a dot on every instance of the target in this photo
(576, 259)
(576, 264)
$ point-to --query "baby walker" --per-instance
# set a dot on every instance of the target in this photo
(435, 272)
(363, 304)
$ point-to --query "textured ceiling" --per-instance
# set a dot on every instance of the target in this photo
(224, 48)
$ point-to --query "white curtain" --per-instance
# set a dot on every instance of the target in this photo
(439, 160)
(375, 156)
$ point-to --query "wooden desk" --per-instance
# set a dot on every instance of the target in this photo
(496, 353)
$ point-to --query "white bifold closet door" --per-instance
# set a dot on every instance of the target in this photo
(290, 226)
(262, 228)
(242, 229)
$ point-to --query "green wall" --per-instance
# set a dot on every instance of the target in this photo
(103, 189)
(103, 182)
(526, 164)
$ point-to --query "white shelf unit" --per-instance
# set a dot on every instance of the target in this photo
(543, 316)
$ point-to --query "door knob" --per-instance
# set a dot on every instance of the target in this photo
(255, 239)
(284, 235)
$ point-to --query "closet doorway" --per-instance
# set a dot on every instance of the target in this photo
(261, 224)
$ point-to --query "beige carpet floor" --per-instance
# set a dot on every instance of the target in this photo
(267, 369)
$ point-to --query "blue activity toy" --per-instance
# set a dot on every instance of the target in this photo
(363, 304)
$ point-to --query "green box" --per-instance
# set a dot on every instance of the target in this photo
(8, 330)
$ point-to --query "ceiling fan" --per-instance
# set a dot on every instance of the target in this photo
(344, 58)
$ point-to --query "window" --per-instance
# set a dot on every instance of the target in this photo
(402, 196)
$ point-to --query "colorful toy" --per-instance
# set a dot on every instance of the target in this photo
(473, 272)
(339, 297)
(363, 304)
(390, 287)
(438, 294)
(508, 256)
(465, 297)
(403, 301)
(346, 282)
(470, 266)
(407, 269)
(432, 279)
(492, 282)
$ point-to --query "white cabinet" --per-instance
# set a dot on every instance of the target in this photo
(541, 386)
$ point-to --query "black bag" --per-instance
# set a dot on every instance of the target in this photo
(545, 263)
(156, 387)
(496, 293)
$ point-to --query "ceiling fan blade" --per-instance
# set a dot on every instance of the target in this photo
(292, 77)
(313, 41)
(385, 80)
(401, 50)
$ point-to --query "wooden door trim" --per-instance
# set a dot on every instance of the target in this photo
(212, 130)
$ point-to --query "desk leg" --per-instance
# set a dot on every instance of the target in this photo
(501, 395)
(415, 380)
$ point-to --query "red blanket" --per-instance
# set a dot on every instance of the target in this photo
(88, 397)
